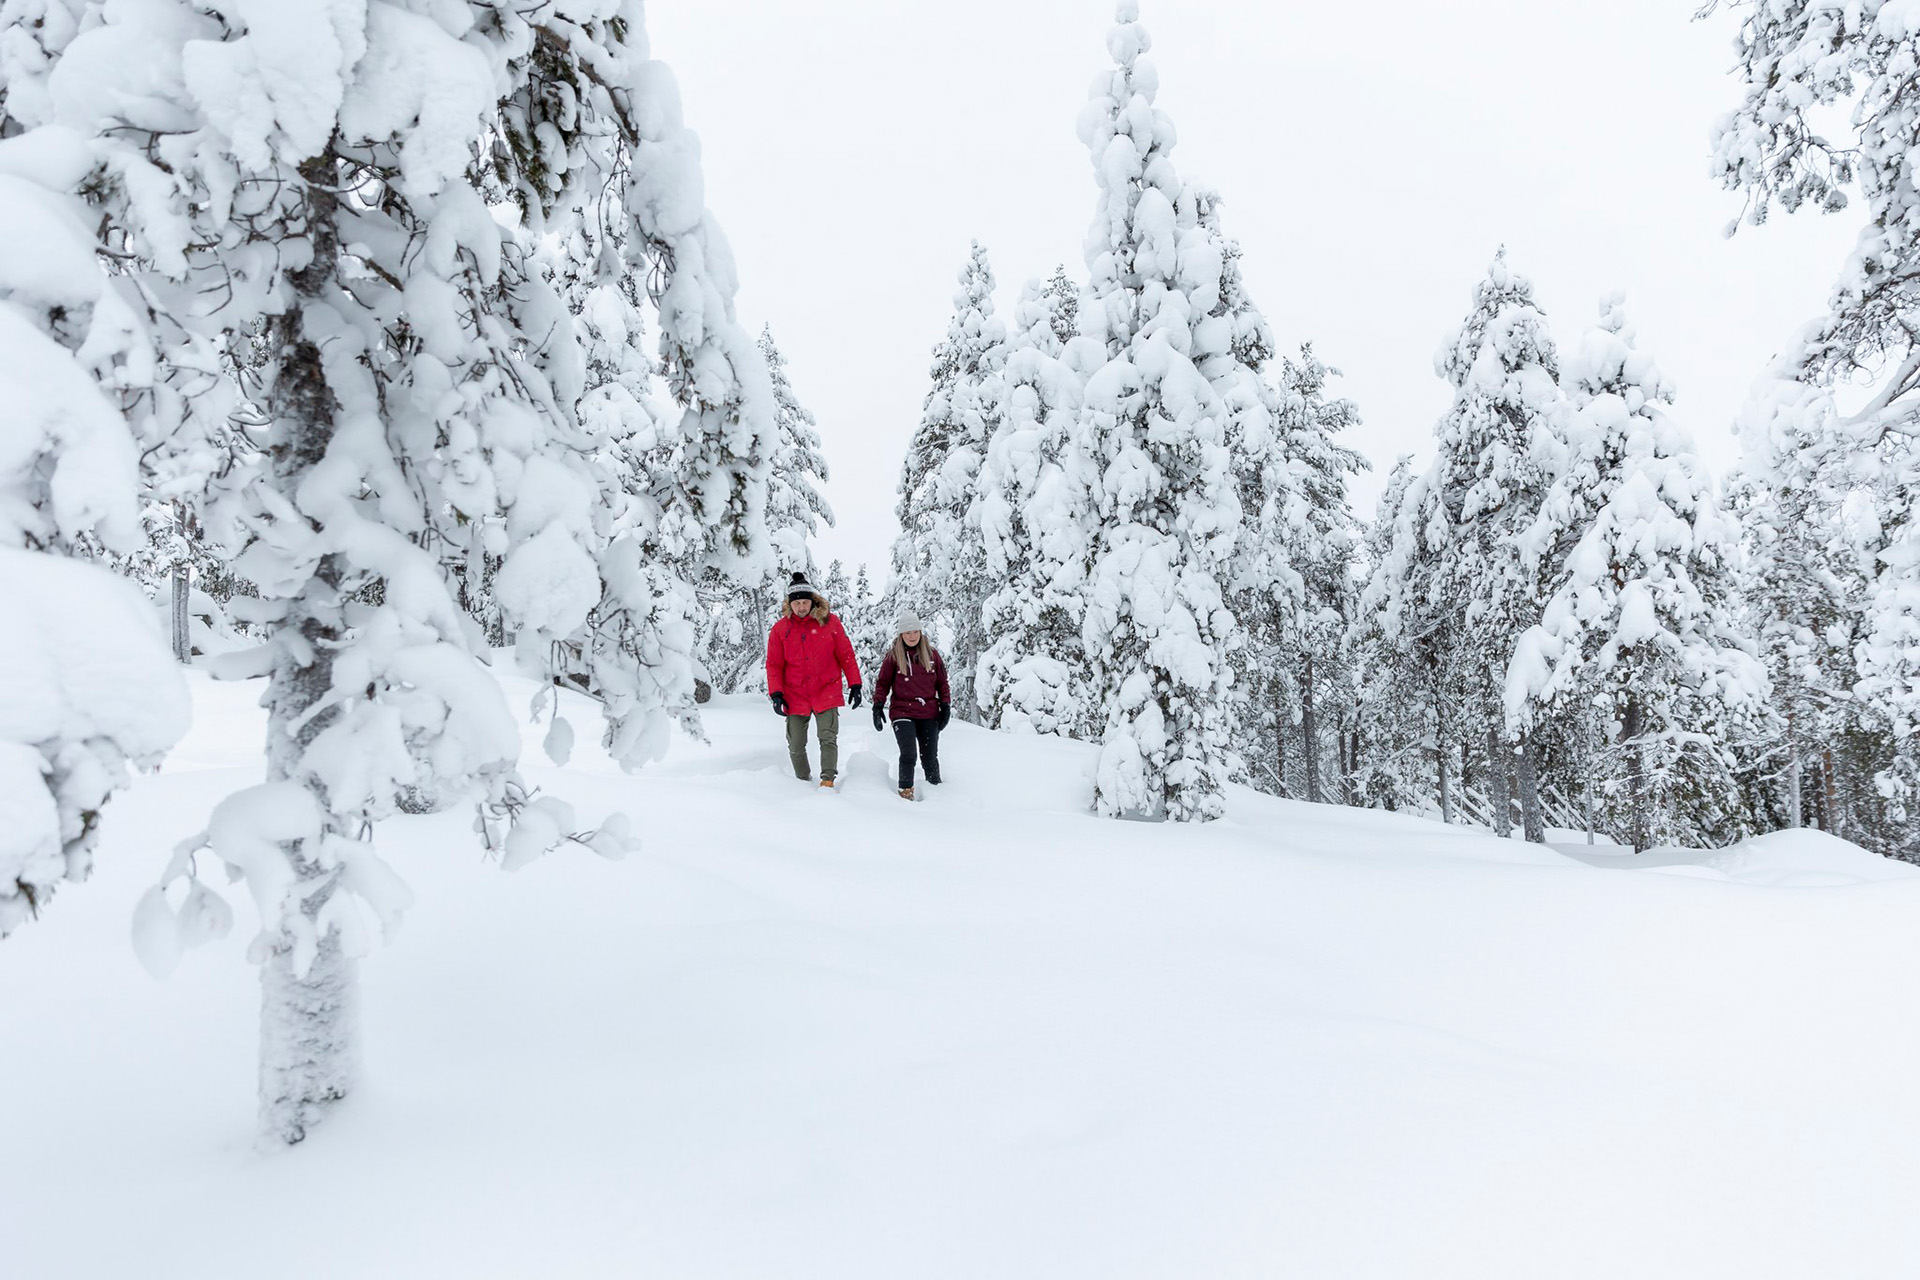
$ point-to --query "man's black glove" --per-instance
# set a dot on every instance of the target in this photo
(779, 701)
(853, 696)
(879, 716)
(946, 714)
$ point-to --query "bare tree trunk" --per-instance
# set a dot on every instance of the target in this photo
(1630, 728)
(1527, 774)
(1310, 733)
(1593, 765)
(182, 586)
(968, 643)
(1793, 784)
(1446, 800)
(1829, 797)
(1350, 769)
(1499, 802)
(306, 1026)
(1280, 741)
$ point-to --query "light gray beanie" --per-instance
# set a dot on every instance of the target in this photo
(907, 621)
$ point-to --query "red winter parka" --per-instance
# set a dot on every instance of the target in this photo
(805, 659)
(918, 692)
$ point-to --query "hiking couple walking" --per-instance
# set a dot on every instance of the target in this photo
(808, 654)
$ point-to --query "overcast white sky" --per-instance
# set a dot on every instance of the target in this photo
(1372, 159)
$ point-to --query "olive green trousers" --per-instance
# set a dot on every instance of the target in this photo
(829, 723)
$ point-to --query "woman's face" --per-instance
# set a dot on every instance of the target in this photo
(800, 605)
(911, 638)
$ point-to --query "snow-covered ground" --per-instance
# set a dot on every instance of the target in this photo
(817, 1035)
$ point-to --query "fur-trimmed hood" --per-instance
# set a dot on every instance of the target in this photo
(821, 609)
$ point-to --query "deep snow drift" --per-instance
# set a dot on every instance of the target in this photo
(815, 1035)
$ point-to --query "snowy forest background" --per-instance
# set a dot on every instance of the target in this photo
(366, 347)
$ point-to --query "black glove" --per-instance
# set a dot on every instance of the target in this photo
(779, 701)
(946, 714)
(879, 716)
(853, 696)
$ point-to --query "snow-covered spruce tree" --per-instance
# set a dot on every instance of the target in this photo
(1033, 513)
(308, 180)
(735, 616)
(1298, 596)
(1641, 617)
(795, 509)
(1460, 583)
(1322, 536)
(1811, 531)
(188, 579)
(1803, 588)
(1396, 705)
(938, 566)
(1803, 65)
(1157, 630)
(87, 685)
(690, 507)
(867, 619)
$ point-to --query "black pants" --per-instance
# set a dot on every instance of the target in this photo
(922, 736)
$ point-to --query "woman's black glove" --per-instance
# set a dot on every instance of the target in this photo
(879, 716)
(946, 714)
(779, 701)
(853, 696)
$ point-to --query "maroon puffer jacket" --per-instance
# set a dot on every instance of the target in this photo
(917, 692)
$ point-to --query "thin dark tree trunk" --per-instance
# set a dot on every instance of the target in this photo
(1630, 730)
(1794, 801)
(1440, 756)
(182, 586)
(1593, 765)
(1829, 794)
(1310, 735)
(1527, 774)
(1499, 802)
(1350, 780)
(1280, 741)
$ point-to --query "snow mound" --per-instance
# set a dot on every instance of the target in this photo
(1804, 859)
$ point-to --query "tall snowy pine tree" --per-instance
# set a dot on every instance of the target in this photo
(1807, 66)
(309, 180)
(1458, 588)
(1157, 630)
(1032, 513)
(938, 565)
(1640, 566)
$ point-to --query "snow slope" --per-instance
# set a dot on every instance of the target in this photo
(813, 1035)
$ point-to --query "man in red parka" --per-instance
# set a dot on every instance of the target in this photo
(807, 654)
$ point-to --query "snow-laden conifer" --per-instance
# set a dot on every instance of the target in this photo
(100, 424)
(1828, 104)
(737, 616)
(305, 183)
(1398, 704)
(1156, 435)
(1811, 526)
(938, 565)
(1640, 565)
(1456, 587)
(1033, 512)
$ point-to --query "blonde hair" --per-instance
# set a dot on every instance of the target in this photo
(903, 661)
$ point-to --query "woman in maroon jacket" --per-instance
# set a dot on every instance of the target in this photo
(807, 653)
(914, 678)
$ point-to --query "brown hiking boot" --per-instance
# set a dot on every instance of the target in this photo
(906, 793)
(827, 783)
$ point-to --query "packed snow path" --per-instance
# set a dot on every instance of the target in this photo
(805, 1034)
